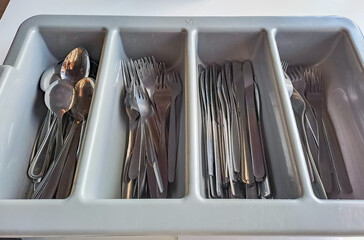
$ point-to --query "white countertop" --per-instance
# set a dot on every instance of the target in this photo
(19, 10)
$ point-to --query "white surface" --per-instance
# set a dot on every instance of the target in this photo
(19, 10)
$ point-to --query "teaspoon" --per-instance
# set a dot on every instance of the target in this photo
(50, 75)
(84, 91)
(75, 66)
(59, 98)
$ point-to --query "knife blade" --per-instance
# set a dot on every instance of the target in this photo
(254, 136)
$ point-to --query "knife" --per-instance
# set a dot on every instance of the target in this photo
(239, 89)
(234, 132)
(254, 135)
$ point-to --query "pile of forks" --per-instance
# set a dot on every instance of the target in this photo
(151, 93)
(233, 157)
(325, 163)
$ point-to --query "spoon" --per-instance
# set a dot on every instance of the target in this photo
(50, 75)
(75, 66)
(59, 98)
(62, 175)
(84, 91)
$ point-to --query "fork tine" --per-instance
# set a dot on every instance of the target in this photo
(133, 68)
(178, 78)
(321, 81)
(157, 81)
(307, 79)
(284, 65)
(175, 77)
(162, 80)
(124, 75)
(166, 80)
(150, 70)
(139, 68)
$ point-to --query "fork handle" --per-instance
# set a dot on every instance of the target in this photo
(172, 140)
(324, 157)
(141, 163)
(125, 177)
(162, 156)
(133, 168)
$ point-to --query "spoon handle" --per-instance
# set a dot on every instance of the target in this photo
(44, 190)
(45, 127)
(37, 167)
(67, 176)
(59, 139)
(81, 138)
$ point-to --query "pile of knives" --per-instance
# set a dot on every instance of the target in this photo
(233, 155)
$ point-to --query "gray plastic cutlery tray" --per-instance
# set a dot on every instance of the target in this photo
(334, 45)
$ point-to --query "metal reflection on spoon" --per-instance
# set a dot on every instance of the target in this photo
(75, 66)
(59, 98)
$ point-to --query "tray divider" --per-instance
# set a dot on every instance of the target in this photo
(103, 96)
(192, 103)
(288, 117)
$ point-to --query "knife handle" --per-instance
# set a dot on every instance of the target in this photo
(255, 144)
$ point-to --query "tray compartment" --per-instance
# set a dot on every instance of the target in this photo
(23, 100)
(103, 174)
(218, 47)
(334, 54)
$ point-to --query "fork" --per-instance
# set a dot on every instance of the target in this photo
(147, 75)
(222, 92)
(139, 154)
(162, 100)
(147, 71)
(337, 164)
(133, 115)
(296, 75)
(175, 88)
(316, 99)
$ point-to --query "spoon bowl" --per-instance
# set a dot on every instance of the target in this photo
(84, 91)
(50, 75)
(59, 98)
(75, 66)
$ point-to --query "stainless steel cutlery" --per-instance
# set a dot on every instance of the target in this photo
(151, 92)
(68, 94)
(325, 163)
(233, 156)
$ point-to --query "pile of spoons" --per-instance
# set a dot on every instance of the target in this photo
(151, 97)
(68, 87)
(233, 150)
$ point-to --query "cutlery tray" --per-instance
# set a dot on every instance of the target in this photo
(332, 44)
